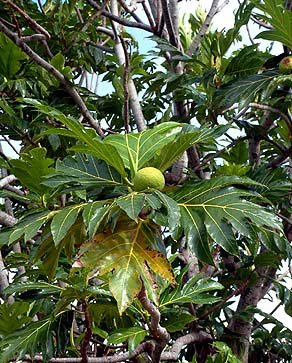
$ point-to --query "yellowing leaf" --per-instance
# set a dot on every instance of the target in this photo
(128, 254)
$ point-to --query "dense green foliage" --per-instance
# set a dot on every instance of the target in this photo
(90, 265)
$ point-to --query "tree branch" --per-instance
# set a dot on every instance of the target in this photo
(34, 25)
(133, 96)
(169, 24)
(58, 75)
(7, 180)
(120, 20)
(159, 333)
(196, 41)
(7, 220)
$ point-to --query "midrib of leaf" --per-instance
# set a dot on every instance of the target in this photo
(132, 246)
(194, 223)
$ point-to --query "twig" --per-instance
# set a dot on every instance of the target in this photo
(57, 74)
(120, 20)
(147, 13)
(196, 41)
(41, 6)
(130, 11)
(37, 27)
(219, 152)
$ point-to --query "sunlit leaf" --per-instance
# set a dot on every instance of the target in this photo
(28, 226)
(31, 169)
(216, 207)
(94, 145)
(126, 253)
(136, 149)
(83, 170)
(189, 135)
(10, 57)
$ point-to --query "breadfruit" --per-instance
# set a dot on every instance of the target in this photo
(285, 65)
(148, 178)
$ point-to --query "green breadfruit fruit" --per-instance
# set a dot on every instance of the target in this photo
(148, 178)
(285, 65)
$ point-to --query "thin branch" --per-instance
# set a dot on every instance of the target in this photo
(6, 139)
(133, 96)
(120, 20)
(57, 74)
(219, 152)
(280, 159)
(261, 23)
(169, 24)
(204, 28)
(34, 25)
(120, 357)
(274, 110)
(196, 337)
(102, 47)
(106, 31)
(33, 37)
(130, 11)
(147, 13)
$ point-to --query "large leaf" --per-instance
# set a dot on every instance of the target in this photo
(12, 317)
(189, 135)
(126, 253)
(136, 149)
(28, 226)
(244, 90)
(10, 57)
(280, 19)
(215, 208)
(35, 337)
(31, 169)
(83, 170)
(63, 221)
(94, 145)
(193, 291)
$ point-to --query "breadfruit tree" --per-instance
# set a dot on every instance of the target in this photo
(147, 210)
